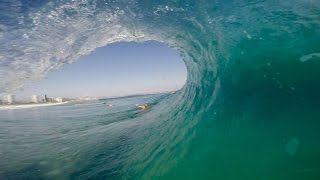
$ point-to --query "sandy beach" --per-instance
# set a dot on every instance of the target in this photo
(23, 106)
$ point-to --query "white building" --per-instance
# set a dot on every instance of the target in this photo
(87, 98)
(60, 99)
(36, 99)
(10, 98)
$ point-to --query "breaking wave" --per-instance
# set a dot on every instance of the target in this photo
(205, 130)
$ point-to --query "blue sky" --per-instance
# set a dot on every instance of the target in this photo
(115, 70)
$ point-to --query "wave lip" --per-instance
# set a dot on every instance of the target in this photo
(225, 45)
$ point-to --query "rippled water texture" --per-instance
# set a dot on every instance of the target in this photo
(249, 109)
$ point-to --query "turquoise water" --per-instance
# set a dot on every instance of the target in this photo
(249, 109)
(86, 139)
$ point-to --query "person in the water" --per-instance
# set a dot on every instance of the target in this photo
(143, 107)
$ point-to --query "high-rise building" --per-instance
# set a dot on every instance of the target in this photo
(10, 98)
(46, 99)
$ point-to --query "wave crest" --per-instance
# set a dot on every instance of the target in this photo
(213, 37)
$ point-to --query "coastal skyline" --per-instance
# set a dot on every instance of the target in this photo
(119, 69)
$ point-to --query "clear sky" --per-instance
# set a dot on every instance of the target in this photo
(115, 70)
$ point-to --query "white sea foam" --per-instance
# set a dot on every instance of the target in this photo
(309, 56)
(24, 106)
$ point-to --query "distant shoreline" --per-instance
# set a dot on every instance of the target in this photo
(23, 106)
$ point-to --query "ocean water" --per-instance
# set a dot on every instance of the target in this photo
(249, 109)
(87, 139)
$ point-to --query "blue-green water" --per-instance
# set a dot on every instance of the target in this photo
(86, 139)
(249, 110)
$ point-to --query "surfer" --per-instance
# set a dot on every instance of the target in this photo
(143, 107)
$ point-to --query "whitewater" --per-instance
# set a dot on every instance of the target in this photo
(249, 109)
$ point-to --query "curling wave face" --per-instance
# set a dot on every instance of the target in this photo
(242, 104)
